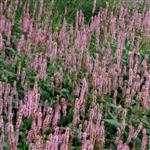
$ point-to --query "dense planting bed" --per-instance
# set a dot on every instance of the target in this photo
(77, 80)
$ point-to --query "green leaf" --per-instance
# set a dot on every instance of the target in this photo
(113, 122)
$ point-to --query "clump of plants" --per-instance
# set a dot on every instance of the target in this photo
(83, 84)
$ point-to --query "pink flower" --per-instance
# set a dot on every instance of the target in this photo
(131, 133)
(1, 41)
(40, 10)
(47, 119)
(83, 90)
(113, 26)
(144, 140)
(94, 6)
(64, 107)
(56, 115)
(39, 120)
